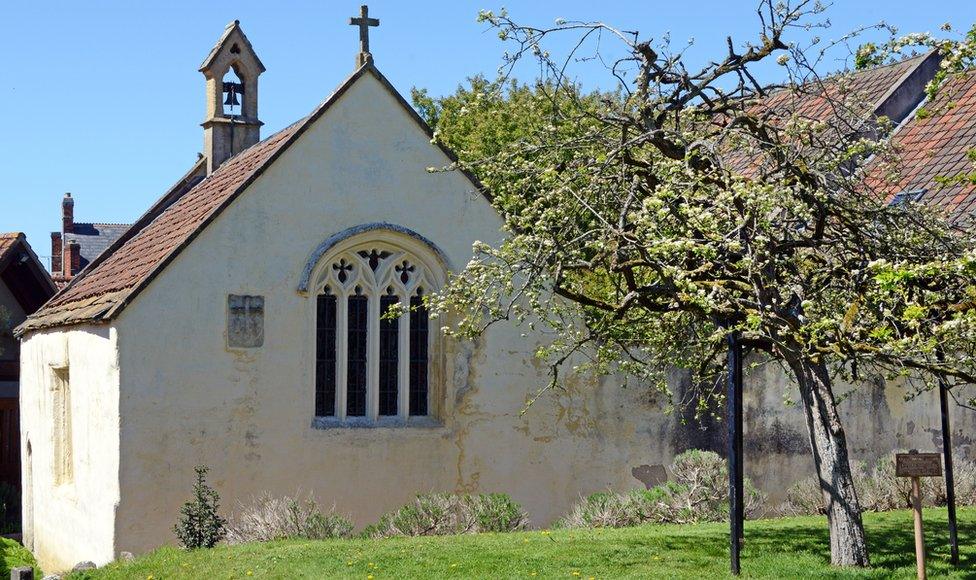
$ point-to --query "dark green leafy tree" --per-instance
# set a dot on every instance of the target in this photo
(200, 525)
(646, 226)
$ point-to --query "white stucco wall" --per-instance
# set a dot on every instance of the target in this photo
(72, 522)
(187, 399)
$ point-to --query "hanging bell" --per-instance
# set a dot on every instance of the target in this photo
(232, 98)
(233, 90)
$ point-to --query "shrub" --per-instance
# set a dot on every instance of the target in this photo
(497, 512)
(617, 510)
(698, 492)
(965, 472)
(881, 490)
(278, 518)
(200, 526)
(441, 514)
(804, 498)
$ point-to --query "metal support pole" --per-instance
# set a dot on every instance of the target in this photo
(949, 479)
(734, 401)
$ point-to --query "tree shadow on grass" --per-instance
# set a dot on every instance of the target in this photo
(891, 544)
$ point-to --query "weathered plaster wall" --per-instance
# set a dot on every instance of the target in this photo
(187, 399)
(74, 521)
(877, 418)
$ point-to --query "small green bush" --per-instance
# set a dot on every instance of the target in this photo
(497, 512)
(698, 492)
(200, 526)
(273, 518)
(442, 514)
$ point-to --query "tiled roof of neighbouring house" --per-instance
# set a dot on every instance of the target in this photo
(847, 103)
(93, 239)
(23, 273)
(933, 146)
(817, 101)
(8, 242)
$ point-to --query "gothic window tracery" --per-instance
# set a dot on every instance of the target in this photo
(372, 333)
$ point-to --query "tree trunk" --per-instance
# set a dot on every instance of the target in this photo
(829, 445)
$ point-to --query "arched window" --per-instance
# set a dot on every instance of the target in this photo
(371, 367)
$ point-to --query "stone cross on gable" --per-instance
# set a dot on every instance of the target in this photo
(364, 22)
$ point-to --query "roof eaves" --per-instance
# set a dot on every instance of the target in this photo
(34, 263)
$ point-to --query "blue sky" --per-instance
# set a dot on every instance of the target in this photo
(103, 98)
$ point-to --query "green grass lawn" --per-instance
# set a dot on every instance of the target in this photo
(777, 548)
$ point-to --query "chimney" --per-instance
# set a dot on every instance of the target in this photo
(231, 123)
(72, 259)
(67, 214)
(56, 249)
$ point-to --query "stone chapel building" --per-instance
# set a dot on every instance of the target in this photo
(237, 324)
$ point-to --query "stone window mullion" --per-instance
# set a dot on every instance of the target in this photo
(403, 360)
(373, 356)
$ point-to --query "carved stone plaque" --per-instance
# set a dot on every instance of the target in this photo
(245, 321)
(917, 464)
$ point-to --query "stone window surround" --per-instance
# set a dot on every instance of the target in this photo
(401, 243)
(62, 436)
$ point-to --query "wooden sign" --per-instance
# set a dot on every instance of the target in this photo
(918, 464)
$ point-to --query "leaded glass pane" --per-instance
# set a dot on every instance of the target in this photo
(418, 356)
(356, 367)
(325, 356)
(389, 333)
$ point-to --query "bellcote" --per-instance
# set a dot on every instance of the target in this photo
(231, 70)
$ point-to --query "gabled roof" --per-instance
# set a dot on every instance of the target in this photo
(878, 87)
(232, 30)
(104, 289)
(8, 242)
(23, 273)
(934, 166)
